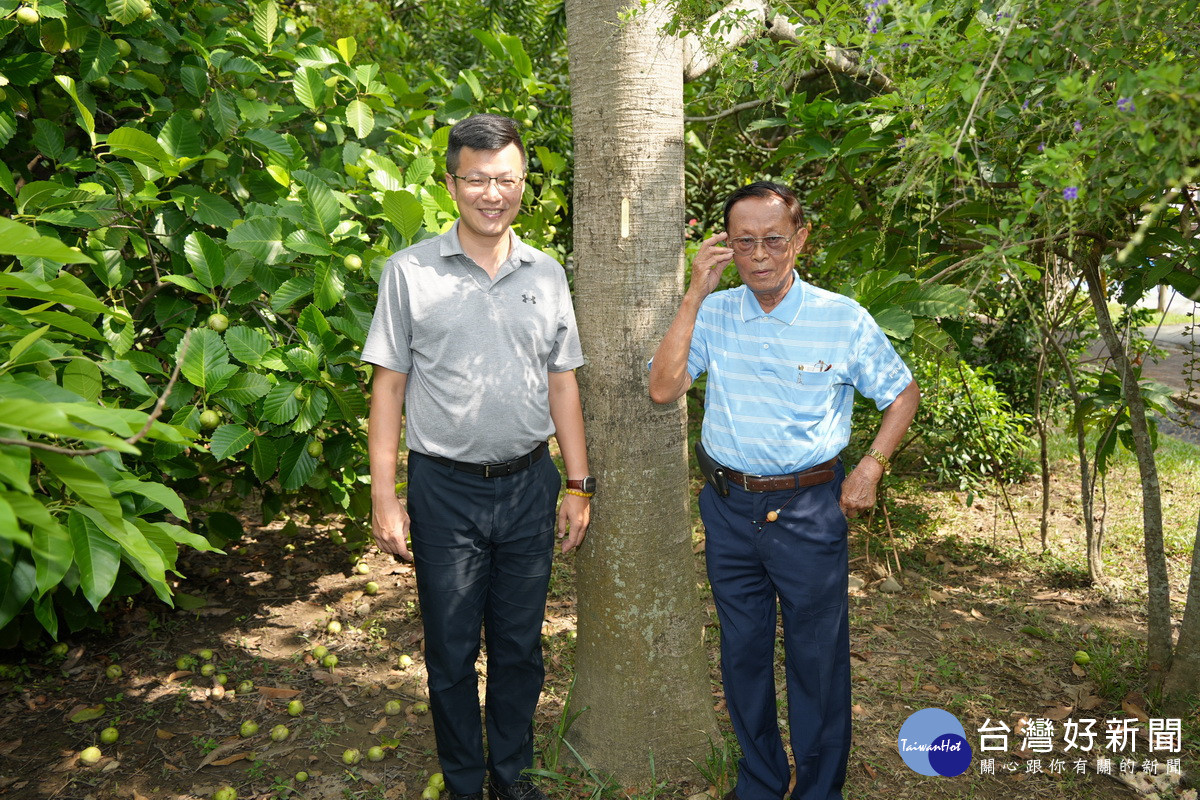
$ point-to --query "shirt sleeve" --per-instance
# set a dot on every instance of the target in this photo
(567, 353)
(389, 340)
(697, 363)
(877, 371)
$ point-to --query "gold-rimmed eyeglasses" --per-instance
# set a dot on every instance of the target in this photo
(774, 244)
(478, 184)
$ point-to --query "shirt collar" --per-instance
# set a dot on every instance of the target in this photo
(787, 310)
(452, 245)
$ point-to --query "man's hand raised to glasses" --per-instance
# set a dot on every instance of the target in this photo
(710, 261)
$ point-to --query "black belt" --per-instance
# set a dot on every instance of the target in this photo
(496, 470)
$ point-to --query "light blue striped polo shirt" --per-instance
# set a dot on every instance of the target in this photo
(781, 384)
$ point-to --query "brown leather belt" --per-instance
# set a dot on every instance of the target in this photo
(821, 473)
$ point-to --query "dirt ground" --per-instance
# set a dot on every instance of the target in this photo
(975, 625)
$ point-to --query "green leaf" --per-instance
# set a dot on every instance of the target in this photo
(17, 589)
(91, 713)
(222, 110)
(124, 373)
(229, 440)
(246, 387)
(137, 146)
(895, 322)
(205, 256)
(280, 405)
(191, 284)
(84, 481)
(270, 140)
(205, 360)
(419, 169)
(312, 411)
(261, 238)
(303, 241)
(180, 137)
(264, 457)
(266, 18)
(292, 290)
(194, 80)
(309, 87)
(98, 55)
(328, 289)
(82, 377)
(296, 466)
(126, 11)
(321, 211)
(48, 138)
(155, 492)
(97, 556)
(22, 241)
(26, 69)
(247, 345)
(212, 209)
(347, 47)
(9, 529)
(360, 118)
(405, 212)
(516, 51)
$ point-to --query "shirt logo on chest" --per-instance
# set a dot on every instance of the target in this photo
(529, 298)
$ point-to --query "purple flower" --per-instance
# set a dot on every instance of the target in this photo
(1125, 104)
(1041, 147)
(1078, 126)
(902, 142)
(1025, 105)
(1071, 193)
(754, 65)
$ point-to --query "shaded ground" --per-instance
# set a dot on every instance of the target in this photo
(979, 627)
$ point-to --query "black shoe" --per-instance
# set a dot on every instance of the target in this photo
(471, 796)
(522, 789)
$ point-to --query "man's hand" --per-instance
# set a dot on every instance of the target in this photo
(389, 524)
(709, 263)
(573, 517)
(858, 490)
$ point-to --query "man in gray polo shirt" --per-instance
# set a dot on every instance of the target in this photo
(474, 335)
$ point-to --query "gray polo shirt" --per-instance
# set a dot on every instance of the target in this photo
(476, 351)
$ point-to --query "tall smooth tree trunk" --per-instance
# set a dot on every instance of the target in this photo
(1158, 633)
(1183, 678)
(642, 668)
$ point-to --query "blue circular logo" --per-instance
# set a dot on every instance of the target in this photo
(932, 742)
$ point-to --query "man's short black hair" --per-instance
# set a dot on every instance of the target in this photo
(483, 132)
(767, 189)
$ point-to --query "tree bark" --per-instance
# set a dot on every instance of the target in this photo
(1183, 677)
(642, 681)
(1158, 634)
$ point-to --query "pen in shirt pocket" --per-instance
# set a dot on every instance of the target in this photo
(820, 366)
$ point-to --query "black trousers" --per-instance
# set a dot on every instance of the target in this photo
(483, 549)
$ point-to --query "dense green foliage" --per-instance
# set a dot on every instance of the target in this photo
(211, 187)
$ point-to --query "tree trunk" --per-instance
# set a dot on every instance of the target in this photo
(642, 667)
(1158, 634)
(1183, 677)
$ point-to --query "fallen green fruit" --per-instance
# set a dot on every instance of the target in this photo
(249, 728)
(329, 661)
(430, 793)
(90, 755)
(405, 661)
(279, 733)
(420, 708)
(245, 687)
(392, 708)
(438, 781)
(371, 588)
(1082, 658)
(113, 672)
(334, 626)
(109, 735)
(375, 753)
(320, 651)
(295, 708)
(206, 654)
(301, 776)
(351, 756)
(225, 793)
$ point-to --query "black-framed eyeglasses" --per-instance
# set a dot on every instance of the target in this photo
(774, 244)
(479, 183)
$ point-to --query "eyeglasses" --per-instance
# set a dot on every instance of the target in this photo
(478, 184)
(775, 245)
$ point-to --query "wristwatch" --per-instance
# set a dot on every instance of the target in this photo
(585, 487)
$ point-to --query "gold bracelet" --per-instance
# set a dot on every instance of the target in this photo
(579, 493)
(883, 460)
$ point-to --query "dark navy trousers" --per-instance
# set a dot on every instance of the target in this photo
(800, 561)
(483, 549)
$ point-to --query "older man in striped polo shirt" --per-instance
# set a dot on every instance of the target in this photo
(784, 359)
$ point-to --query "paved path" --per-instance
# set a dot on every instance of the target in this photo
(1182, 343)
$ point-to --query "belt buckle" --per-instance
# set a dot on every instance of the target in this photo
(487, 470)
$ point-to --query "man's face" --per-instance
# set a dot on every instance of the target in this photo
(768, 274)
(487, 213)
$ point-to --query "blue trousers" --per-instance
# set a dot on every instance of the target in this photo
(483, 549)
(801, 559)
